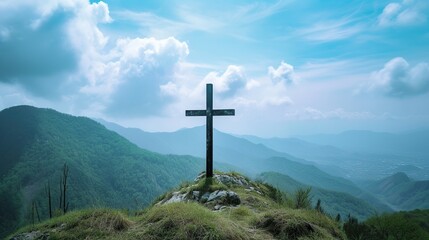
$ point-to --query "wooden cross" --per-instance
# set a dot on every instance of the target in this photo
(209, 113)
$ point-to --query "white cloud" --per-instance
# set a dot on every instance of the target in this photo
(135, 75)
(229, 82)
(62, 51)
(398, 79)
(403, 14)
(284, 73)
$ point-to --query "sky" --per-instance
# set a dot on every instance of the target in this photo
(287, 67)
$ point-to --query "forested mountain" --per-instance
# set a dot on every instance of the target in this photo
(105, 169)
(401, 192)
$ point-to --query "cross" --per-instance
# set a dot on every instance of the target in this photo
(209, 113)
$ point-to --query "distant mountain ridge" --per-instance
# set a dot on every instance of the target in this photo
(361, 155)
(333, 202)
(401, 192)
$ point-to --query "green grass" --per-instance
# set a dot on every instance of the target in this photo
(299, 224)
(186, 221)
(259, 216)
(97, 223)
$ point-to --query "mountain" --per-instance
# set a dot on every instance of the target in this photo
(249, 157)
(354, 163)
(105, 169)
(191, 141)
(332, 202)
(401, 192)
(228, 206)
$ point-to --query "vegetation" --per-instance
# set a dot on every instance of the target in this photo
(398, 226)
(104, 169)
(259, 216)
(333, 203)
(299, 224)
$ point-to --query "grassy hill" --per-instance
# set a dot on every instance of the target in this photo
(332, 202)
(258, 214)
(105, 169)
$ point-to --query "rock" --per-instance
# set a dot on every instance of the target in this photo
(233, 198)
(196, 195)
(216, 195)
(231, 180)
(217, 207)
(224, 197)
(205, 197)
(177, 197)
(31, 236)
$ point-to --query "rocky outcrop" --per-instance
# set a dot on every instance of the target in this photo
(217, 199)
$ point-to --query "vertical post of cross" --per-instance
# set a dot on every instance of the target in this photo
(209, 112)
(209, 130)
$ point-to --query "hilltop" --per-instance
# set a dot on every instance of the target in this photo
(227, 206)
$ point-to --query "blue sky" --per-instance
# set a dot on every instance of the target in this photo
(287, 67)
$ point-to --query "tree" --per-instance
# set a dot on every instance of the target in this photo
(355, 230)
(48, 195)
(64, 204)
(338, 218)
(319, 206)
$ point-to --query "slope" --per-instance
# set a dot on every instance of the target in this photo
(401, 191)
(105, 168)
(332, 202)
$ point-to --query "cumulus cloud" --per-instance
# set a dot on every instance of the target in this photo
(398, 79)
(143, 69)
(229, 82)
(284, 73)
(407, 12)
(59, 50)
(43, 51)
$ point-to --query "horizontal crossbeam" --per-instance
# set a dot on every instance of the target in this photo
(223, 112)
(192, 113)
(215, 112)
